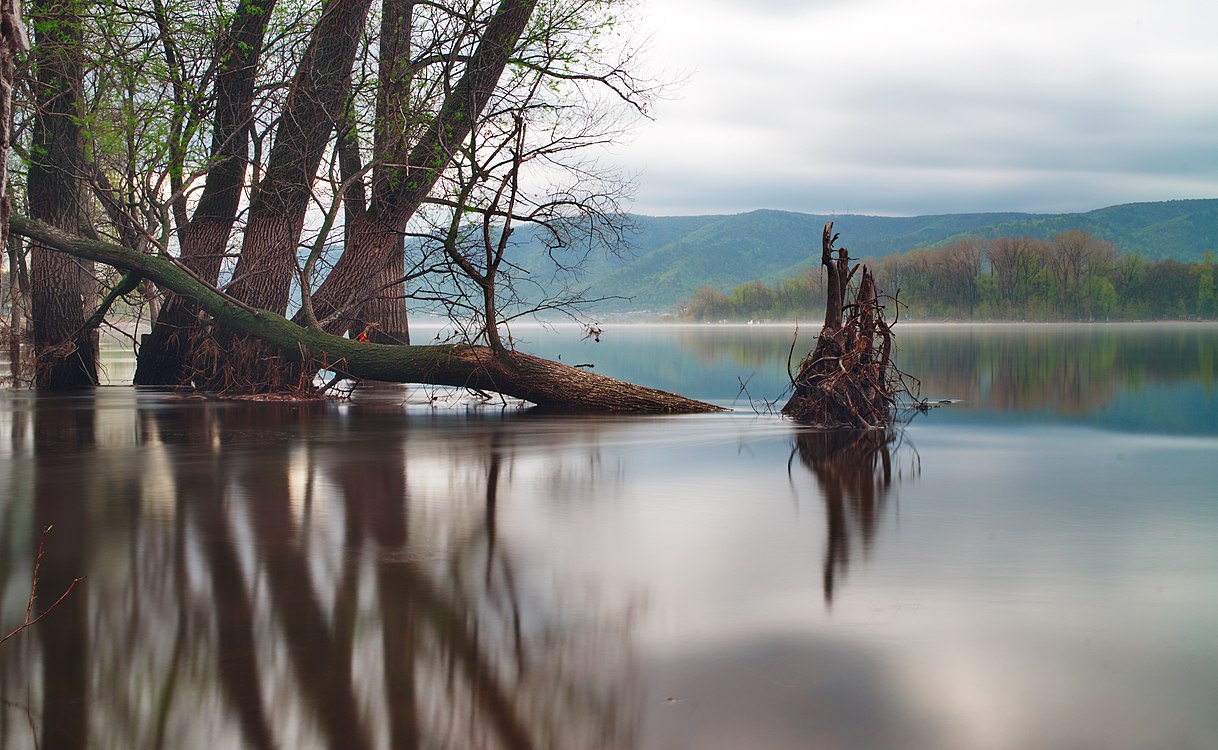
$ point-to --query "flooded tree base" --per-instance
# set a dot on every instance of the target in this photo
(848, 380)
(295, 352)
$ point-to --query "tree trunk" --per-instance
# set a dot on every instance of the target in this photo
(383, 315)
(522, 376)
(13, 41)
(319, 93)
(164, 350)
(267, 264)
(59, 284)
(395, 200)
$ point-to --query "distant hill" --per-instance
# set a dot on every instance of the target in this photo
(669, 257)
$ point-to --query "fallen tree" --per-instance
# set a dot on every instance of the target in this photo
(479, 368)
(848, 379)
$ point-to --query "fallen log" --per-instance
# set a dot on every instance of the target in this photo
(533, 379)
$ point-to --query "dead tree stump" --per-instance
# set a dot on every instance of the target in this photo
(848, 380)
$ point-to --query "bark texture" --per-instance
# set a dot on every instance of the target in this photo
(204, 239)
(398, 193)
(60, 285)
(13, 41)
(319, 93)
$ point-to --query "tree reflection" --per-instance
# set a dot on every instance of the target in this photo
(275, 583)
(1073, 369)
(854, 471)
(61, 427)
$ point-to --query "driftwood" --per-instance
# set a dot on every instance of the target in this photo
(848, 379)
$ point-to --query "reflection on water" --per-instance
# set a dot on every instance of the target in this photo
(259, 576)
(854, 471)
(1071, 369)
(370, 574)
(1114, 375)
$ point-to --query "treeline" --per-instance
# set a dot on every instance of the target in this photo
(1073, 276)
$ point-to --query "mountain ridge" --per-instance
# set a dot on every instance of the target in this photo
(668, 257)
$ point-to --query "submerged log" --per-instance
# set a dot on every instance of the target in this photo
(848, 379)
(533, 379)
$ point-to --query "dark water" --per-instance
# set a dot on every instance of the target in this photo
(1035, 566)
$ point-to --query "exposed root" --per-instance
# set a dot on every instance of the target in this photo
(848, 380)
(245, 367)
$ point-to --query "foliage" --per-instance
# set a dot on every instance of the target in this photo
(1072, 276)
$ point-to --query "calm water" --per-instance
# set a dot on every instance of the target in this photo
(1034, 566)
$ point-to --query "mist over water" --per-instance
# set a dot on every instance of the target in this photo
(1031, 566)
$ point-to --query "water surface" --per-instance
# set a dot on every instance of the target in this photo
(1032, 566)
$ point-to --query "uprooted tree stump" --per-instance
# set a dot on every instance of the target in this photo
(848, 379)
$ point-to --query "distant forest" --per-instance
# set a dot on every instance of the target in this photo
(1071, 276)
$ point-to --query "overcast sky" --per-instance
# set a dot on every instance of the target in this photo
(893, 107)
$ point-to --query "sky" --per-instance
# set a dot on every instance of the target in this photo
(899, 108)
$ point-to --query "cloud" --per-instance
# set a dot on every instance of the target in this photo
(941, 106)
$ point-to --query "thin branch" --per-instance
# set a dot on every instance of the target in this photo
(29, 607)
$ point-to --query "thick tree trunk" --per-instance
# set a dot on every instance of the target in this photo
(384, 314)
(60, 285)
(267, 265)
(13, 41)
(398, 196)
(522, 376)
(163, 354)
(319, 93)
(401, 181)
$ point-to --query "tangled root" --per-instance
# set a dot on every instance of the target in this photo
(244, 367)
(848, 380)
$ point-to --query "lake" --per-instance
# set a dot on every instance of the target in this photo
(1033, 565)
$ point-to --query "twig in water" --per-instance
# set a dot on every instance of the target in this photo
(29, 608)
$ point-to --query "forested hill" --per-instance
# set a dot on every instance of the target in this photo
(670, 257)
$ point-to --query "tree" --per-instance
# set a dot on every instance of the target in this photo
(13, 42)
(707, 304)
(60, 286)
(437, 120)
(544, 383)
(1170, 289)
(1073, 259)
(204, 236)
(1016, 263)
(960, 266)
(1207, 295)
(752, 300)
